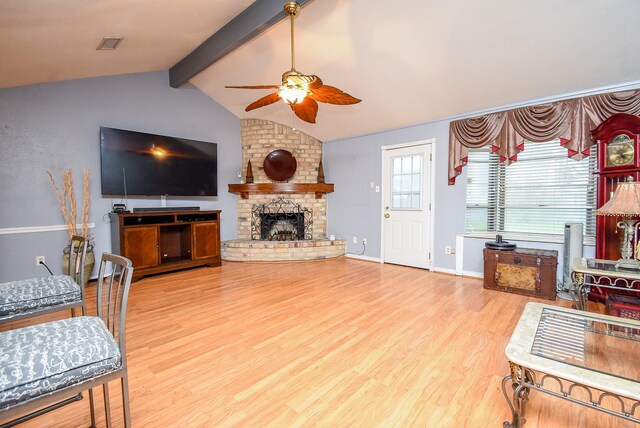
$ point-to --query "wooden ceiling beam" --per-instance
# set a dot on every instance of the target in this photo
(250, 23)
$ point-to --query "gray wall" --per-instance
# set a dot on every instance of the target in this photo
(55, 126)
(355, 208)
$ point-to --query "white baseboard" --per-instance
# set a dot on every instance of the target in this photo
(444, 270)
(473, 274)
(366, 258)
(455, 272)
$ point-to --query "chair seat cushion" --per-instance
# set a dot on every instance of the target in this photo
(45, 358)
(35, 294)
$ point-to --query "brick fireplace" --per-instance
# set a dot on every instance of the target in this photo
(291, 225)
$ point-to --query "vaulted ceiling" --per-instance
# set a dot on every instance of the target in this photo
(410, 62)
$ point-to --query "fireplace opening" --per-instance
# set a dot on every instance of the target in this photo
(281, 220)
(281, 226)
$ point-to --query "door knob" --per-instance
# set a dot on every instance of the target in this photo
(387, 215)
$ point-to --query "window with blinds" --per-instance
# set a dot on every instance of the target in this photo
(538, 194)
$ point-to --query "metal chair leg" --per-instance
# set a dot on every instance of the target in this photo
(92, 408)
(124, 381)
(107, 406)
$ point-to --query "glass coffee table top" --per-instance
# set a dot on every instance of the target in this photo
(591, 349)
(586, 341)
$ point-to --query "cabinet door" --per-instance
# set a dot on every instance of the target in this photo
(141, 246)
(206, 240)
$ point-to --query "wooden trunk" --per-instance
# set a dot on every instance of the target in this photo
(522, 271)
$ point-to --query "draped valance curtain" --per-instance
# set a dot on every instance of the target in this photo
(570, 120)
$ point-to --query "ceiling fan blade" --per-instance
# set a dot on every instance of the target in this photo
(307, 109)
(264, 101)
(254, 87)
(331, 95)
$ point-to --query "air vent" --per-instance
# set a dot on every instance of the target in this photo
(109, 43)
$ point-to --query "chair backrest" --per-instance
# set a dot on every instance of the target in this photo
(113, 294)
(77, 255)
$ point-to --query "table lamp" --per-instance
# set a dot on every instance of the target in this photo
(625, 203)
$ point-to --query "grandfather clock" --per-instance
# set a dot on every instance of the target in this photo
(618, 140)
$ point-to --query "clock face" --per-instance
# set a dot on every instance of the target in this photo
(620, 151)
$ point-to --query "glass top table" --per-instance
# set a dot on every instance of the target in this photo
(565, 352)
(587, 273)
(608, 266)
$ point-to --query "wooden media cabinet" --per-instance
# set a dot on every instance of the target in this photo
(157, 242)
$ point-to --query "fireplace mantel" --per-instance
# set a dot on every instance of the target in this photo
(244, 190)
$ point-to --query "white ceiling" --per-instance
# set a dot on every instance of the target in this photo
(45, 41)
(421, 61)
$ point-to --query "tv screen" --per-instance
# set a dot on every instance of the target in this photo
(147, 164)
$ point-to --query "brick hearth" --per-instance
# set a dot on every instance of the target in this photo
(244, 250)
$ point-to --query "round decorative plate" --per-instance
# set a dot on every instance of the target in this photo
(280, 165)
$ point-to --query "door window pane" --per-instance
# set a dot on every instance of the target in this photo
(406, 180)
(397, 165)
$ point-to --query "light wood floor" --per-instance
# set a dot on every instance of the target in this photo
(336, 343)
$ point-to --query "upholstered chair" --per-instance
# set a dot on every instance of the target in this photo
(46, 365)
(36, 296)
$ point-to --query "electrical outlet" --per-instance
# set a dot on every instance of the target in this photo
(40, 260)
(447, 249)
(355, 239)
(364, 241)
(453, 250)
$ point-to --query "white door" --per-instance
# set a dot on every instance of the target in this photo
(407, 205)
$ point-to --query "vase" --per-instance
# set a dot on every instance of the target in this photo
(89, 262)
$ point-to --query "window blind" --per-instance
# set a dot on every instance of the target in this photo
(538, 194)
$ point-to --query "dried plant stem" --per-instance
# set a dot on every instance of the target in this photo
(85, 206)
(63, 206)
(68, 188)
(67, 201)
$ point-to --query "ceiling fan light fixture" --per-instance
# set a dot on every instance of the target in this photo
(292, 96)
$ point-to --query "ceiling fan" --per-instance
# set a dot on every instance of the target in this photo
(300, 91)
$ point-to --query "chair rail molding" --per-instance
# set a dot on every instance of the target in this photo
(37, 229)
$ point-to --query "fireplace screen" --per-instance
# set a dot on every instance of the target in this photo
(281, 220)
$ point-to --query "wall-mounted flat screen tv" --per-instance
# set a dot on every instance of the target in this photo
(136, 163)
